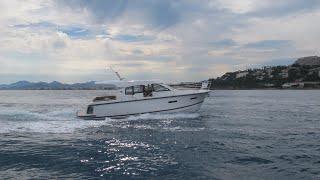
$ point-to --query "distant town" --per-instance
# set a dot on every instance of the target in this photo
(304, 73)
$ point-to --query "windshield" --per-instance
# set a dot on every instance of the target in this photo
(146, 90)
(158, 87)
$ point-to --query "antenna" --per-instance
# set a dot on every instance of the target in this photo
(117, 74)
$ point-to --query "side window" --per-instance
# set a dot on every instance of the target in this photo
(138, 89)
(129, 90)
(158, 87)
(90, 110)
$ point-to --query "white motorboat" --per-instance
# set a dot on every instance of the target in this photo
(141, 97)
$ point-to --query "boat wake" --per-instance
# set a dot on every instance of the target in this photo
(64, 120)
(161, 122)
(158, 116)
(58, 121)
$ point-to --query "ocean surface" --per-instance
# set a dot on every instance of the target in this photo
(264, 134)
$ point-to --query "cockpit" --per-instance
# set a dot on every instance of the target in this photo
(138, 89)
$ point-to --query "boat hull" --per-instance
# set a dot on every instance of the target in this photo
(171, 104)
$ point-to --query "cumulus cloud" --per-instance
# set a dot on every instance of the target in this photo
(72, 41)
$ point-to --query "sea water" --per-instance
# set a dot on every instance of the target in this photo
(264, 134)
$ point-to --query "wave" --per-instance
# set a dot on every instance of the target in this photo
(58, 121)
(50, 126)
(25, 115)
(160, 116)
(65, 121)
(158, 121)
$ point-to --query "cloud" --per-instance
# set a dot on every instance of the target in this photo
(270, 8)
(269, 44)
(100, 10)
(158, 14)
(132, 38)
(37, 25)
(162, 13)
(275, 8)
(224, 43)
(59, 44)
(151, 39)
(75, 32)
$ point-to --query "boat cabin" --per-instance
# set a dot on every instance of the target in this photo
(138, 89)
(146, 90)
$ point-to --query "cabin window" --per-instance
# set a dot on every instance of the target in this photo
(158, 87)
(138, 89)
(134, 89)
(90, 110)
(129, 90)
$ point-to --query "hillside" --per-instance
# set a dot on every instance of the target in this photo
(304, 73)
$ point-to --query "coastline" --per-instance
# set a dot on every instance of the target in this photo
(229, 89)
(268, 89)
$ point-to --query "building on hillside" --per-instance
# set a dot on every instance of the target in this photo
(284, 73)
(306, 84)
(311, 84)
(226, 76)
(241, 74)
(260, 78)
(258, 73)
(269, 85)
(268, 72)
(293, 85)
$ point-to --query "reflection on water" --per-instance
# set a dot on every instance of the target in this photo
(236, 135)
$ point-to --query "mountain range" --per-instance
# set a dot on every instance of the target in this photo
(54, 85)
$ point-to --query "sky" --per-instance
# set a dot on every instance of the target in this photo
(189, 40)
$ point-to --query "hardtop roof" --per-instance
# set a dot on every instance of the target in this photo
(123, 83)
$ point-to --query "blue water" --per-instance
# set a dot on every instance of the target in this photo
(235, 135)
